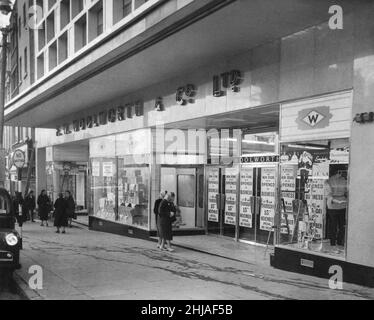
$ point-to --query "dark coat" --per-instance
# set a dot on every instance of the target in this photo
(30, 203)
(157, 206)
(165, 221)
(44, 204)
(20, 215)
(61, 217)
(70, 208)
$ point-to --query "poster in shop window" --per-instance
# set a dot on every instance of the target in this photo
(288, 189)
(246, 192)
(95, 169)
(316, 198)
(213, 190)
(268, 198)
(107, 169)
(231, 198)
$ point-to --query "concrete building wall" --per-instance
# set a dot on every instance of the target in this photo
(312, 62)
(25, 44)
(68, 28)
(298, 66)
(361, 218)
(41, 181)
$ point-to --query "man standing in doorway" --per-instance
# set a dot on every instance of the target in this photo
(336, 196)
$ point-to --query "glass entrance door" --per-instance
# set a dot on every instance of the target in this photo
(222, 201)
(257, 202)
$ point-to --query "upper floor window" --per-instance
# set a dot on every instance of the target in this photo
(26, 60)
(121, 9)
(139, 3)
(19, 26)
(20, 69)
(126, 7)
(100, 22)
(24, 15)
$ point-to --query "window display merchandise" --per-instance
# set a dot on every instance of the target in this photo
(314, 195)
(104, 187)
(133, 195)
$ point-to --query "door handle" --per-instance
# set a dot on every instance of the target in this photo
(253, 204)
(223, 201)
(259, 204)
(256, 204)
(220, 201)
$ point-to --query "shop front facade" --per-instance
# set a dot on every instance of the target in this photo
(257, 148)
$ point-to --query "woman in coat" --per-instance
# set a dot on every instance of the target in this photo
(155, 211)
(44, 204)
(18, 206)
(70, 207)
(61, 217)
(166, 214)
(30, 205)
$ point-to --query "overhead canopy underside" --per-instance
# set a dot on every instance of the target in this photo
(235, 28)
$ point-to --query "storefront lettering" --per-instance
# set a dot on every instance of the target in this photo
(67, 129)
(102, 118)
(112, 115)
(186, 94)
(121, 113)
(82, 124)
(257, 159)
(159, 104)
(366, 117)
(139, 108)
(226, 80)
(76, 126)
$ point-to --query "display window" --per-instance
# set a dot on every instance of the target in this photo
(314, 195)
(133, 194)
(104, 187)
(120, 181)
(223, 147)
(260, 143)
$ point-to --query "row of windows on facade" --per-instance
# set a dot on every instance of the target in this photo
(14, 135)
(20, 72)
(46, 31)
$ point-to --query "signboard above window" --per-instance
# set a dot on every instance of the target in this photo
(328, 116)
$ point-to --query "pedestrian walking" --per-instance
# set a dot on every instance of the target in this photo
(18, 208)
(44, 205)
(155, 211)
(166, 217)
(30, 205)
(61, 213)
(70, 207)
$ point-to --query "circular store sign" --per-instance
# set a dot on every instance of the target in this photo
(19, 159)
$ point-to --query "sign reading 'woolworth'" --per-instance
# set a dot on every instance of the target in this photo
(120, 113)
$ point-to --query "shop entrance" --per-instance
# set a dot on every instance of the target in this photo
(257, 202)
(188, 186)
(222, 200)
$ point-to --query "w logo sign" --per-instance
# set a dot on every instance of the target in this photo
(318, 117)
(313, 118)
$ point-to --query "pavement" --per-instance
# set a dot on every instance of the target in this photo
(88, 265)
(9, 296)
